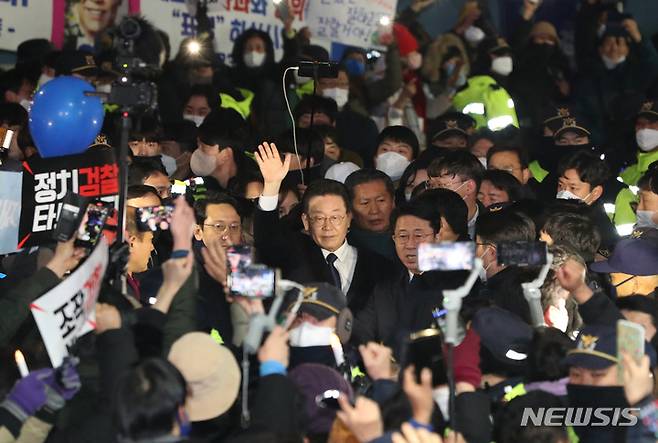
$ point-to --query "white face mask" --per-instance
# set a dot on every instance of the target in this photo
(202, 164)
(254, 59)
(647, 139)
(645, 219)
(502, 65)
(482, 272)
(197, 119)
(414, 60)
(612, 64)
(307, 334)
(339, 95)
(474, 35)
(45, 78)
(169, 163)
(568, 195)
(392, 164)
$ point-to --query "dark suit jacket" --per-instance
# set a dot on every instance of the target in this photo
(301, 260)
(399, 306)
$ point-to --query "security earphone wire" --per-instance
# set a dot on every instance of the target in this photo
(292, 118)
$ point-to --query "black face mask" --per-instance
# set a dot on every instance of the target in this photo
(581, 396)
(541, 52)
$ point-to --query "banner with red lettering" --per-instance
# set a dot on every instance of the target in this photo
(68, 311)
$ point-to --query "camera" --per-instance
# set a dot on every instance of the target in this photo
(134, 88)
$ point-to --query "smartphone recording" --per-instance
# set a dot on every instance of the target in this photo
(154, 218)
(446, 256)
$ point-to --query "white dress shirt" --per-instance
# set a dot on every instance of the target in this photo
(471, 223)
(345, 264)
(346, 254)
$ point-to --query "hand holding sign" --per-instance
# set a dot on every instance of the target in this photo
(66, 258)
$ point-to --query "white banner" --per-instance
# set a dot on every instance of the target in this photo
(22, 20)
(349, 22)
(10, 209)
(68, 311)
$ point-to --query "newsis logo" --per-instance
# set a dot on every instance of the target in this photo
(579, 416)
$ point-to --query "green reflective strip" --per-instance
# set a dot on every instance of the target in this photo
(516, 391)
(573, 438)
(214, 334)
(242, 107)
(537, 171)
(305, 89)
(356, 372)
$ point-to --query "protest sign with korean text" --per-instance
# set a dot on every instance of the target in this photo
(46, 182)
(68, 311)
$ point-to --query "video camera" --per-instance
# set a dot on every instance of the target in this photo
(134, 89)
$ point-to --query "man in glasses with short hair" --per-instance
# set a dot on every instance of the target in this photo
(322, 253)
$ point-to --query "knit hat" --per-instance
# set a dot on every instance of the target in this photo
(211, 373)
(545, 29)
(407, 43)
(314, 379)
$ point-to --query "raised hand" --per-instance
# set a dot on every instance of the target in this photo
(275, 347)
(107, 318)
(571, 277)
(215, 262)
(633, 29)
(638, 382)
(182, 225)
(66, 257)
(272, 168)
(411, 435)
(364, 419)
(378, 361)
(419, 395)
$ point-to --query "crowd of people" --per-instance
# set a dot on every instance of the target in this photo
(465, 137)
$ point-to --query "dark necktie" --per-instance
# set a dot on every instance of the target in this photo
(331, 258)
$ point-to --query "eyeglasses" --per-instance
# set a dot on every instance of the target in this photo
(404, 237)
(320, 220)
(222, 227)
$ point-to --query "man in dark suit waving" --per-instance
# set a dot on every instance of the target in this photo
(322, 252)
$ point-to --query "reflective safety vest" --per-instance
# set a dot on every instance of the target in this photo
(304, 89)
(487, 102)
(538, 173)
(633, 173)
(242, 107)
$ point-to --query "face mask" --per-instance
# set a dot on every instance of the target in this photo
(482, 272)
(169, 163)
(300, 80)
(611, 64)
(26, 104)
(483, 161)
(392, 164)
(502, 65)
(254, 59)
(306, 335)
(542, 51)
(414, 60)
(645, 219)
(355, 68)
(197, 119)
(339, 95)
(568, 195)
(647, 139)
(474, 35)
(202, 164)
(45, 78)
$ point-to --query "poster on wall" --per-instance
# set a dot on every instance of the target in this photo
(86, 19)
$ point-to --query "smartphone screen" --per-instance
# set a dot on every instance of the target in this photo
(92, 224)
(630, 339)
(521, 253)
(253, 281)
(239, 257)
(447, 256)
(154, 218)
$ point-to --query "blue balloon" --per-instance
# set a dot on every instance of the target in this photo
(63, 120)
